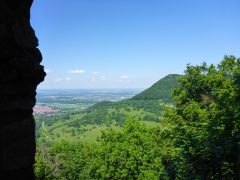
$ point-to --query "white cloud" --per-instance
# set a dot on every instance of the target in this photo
(98, 78)
(47, 70)
(102, 78)
(77, 71)
(58, 79)
(67, 79)
(124, 77)
(96, 72)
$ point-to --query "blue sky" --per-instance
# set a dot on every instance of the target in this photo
(131, 43)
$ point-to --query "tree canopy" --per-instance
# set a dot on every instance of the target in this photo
(206, 120)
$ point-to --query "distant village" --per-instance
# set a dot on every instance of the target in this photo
(38, 109)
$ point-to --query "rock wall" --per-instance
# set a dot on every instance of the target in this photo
(20, 73)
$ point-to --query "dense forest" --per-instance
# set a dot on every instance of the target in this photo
(183, 127)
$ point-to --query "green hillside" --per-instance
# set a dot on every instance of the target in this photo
(142, 107)
(146, 106)
(161, 90)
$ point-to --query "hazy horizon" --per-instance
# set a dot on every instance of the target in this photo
(76, 89)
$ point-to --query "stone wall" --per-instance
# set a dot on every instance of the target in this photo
(20, 73)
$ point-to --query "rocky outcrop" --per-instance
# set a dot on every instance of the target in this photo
(20, 73)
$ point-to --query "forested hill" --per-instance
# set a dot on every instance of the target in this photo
(148, 105)
(161, 90)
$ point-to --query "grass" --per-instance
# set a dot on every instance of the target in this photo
(92, 136)
(84, 133)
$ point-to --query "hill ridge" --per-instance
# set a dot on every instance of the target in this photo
(161, 90)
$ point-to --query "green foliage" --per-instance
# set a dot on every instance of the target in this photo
(42, 168)
(136, 152)
(64, 160)
(119, 111)
(161, 90)
(207, 121)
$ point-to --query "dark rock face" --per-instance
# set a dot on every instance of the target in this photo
(20, 73)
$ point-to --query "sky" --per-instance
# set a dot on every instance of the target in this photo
(131, 43)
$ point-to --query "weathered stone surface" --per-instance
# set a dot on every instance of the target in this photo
(20, 73)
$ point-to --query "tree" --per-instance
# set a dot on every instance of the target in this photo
(137, 152)
(207, 121)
